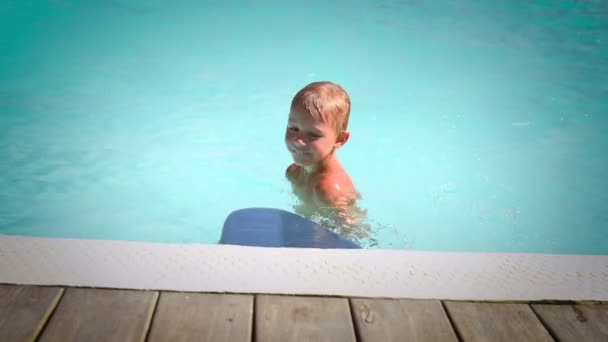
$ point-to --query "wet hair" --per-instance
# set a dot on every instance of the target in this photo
(325, 101)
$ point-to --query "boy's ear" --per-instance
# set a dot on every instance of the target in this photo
(342, 138)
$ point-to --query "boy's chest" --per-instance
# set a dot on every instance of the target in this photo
(302, 188)
(302, 185)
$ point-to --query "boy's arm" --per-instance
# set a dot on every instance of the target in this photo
(291, 172)
(329, 195)
(342, 205)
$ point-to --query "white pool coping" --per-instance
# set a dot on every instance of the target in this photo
(357, 273)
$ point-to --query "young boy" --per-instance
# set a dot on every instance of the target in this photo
(316, 128)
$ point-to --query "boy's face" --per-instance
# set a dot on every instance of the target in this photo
(309, 140)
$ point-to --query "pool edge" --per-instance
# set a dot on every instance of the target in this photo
(298, 271)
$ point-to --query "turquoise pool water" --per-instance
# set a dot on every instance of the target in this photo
(476, 126)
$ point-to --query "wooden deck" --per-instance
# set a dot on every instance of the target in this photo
(30, 313)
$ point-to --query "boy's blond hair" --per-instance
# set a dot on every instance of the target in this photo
(325, 101)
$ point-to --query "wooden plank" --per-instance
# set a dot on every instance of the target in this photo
(575, 322)
(101, 315)
(496, 322)
(287, 318)
(25, 309)
(202, 317)
(401, 320)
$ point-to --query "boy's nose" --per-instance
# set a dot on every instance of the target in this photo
(299, 142)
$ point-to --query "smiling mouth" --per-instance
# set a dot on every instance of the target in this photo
(299, 153)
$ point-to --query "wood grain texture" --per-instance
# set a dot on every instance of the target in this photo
(575, 322)
(24, 310)
(101, 315)
(401, 320)
(286, 318)
(496, 322)
(202, 317)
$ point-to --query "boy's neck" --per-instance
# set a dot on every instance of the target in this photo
(321, 165)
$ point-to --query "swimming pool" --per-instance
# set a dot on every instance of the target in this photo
(475, 126)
